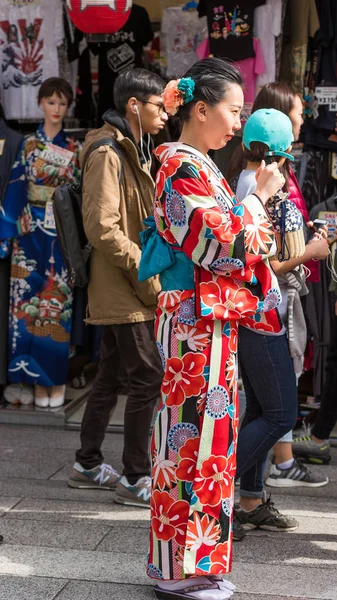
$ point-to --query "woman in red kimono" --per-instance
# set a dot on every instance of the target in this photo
(212, 255)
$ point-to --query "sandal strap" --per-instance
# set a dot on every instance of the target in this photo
(199, 587)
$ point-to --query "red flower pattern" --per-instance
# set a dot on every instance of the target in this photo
(219, 559)
(215, 480)
(228, 303)
(183, 378)
(224, 227)
(188, 455)
(169, 518)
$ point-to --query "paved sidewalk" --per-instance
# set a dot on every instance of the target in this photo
(69, 544)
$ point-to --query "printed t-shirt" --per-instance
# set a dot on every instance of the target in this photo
(183, 32)
(230, 26)
(30, 32)
(122, 53)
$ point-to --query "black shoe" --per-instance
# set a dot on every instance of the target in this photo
(265, 516)
(1, 539)
(238, 531)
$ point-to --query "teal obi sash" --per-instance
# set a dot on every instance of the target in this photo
(176, 270)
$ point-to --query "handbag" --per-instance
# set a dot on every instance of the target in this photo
(288, 225)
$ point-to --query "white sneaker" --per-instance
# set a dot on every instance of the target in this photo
(56, 401)
(42, 402)
(134, 495)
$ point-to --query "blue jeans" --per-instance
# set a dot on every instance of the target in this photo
(271, 394)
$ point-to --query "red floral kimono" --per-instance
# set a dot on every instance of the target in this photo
(220, 276)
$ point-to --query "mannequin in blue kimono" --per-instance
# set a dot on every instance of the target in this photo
(40, 293)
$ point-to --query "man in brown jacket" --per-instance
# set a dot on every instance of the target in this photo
(117, 196)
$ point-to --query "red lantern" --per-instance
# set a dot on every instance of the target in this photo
(99, 16)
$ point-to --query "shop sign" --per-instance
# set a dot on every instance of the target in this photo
(99, 16)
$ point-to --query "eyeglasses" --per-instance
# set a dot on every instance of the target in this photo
(161, 108)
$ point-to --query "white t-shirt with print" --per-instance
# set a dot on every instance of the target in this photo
(30, 32)
(183, 31)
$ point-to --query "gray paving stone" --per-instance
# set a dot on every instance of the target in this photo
(54, 535)
(38, 469)
(53, 490)
(72, 564)
(86, 512)
(76, 590)
(268, 548)
(7, 503)
(302, 506)
(21, 454)
(120, 540)
(285, 580)
(29, 588)
(50, 437)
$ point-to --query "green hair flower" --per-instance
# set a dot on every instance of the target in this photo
(186, 86)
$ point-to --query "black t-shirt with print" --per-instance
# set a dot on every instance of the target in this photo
(123, 52)
(230, 26)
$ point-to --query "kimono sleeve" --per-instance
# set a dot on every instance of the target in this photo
(15, 215)
(238, 236)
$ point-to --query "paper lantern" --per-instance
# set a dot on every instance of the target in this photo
(99, 16)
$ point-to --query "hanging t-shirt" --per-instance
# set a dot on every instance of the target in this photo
(230, 26)
(30, 33)
(267, 26)
(251, 68)
(123, 52)
(182, 31)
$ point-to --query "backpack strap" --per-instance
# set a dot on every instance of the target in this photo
(108, 141)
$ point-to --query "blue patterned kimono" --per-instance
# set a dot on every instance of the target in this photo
(40, 295)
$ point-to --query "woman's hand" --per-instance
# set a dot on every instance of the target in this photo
(321, 233)
(269, 181)
(319, 248)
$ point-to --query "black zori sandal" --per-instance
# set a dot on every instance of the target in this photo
(182, 594)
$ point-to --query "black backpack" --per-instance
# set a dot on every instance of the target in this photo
(67, 205)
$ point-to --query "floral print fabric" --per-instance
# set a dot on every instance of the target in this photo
(195, 434)
(40, 313)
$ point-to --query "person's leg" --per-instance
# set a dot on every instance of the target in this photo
(252, 480)
(267, 366)
(269, 379)
(102, 400)
(139, 354)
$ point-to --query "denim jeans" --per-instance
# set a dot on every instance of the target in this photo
(271, 395)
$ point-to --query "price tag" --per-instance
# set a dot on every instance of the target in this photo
(60, 157)
(327, 96)
(49, 219)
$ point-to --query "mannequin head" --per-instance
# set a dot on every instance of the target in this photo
(212, 117)
(54, 98)
(138, 97)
